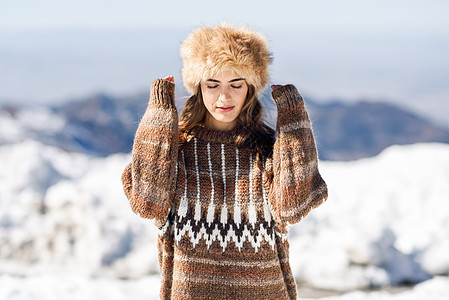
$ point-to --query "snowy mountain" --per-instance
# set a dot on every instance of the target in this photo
(386, 220)
(99, 125)
(102, 125)
(364, 129)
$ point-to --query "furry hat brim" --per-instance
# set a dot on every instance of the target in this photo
(208, 51)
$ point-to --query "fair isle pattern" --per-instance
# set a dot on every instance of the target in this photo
(198, 204)
(221, 227)
(266, 208)
(224, 208)
(211, 209)
(222, 221)
(183, 205)
(251, 208)
(237, 213)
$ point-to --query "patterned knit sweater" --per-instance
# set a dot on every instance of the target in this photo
(223, 227)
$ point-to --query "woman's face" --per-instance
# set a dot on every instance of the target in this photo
(223, 96)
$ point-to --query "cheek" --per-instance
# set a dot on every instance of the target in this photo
(209, 103)
(241, 97)
(208, 98)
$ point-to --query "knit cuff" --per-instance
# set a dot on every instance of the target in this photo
(286, 96)
(162, 94)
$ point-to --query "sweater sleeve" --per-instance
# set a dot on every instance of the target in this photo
(149, 180)
(297, 186)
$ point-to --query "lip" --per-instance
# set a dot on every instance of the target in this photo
(225, 108)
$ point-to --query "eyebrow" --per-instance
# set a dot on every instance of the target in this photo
(233, 80)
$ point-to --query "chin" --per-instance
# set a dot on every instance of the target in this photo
(225, 119)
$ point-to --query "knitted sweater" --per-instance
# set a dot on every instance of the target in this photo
(223, 226)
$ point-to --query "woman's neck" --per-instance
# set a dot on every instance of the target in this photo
(212, 124)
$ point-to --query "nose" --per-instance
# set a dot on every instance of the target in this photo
(224, 94)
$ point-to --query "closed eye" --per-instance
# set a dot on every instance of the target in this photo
(212, 86)
(236, 87)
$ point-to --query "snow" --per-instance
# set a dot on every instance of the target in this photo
(66, 211)
(433, 289)
(75, 287)
(386, 221)
(67, 231)
(33, 120)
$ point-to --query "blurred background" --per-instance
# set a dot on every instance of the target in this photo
(74, 82)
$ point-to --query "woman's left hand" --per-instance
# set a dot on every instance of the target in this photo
(170, 78)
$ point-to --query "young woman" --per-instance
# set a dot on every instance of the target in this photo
(222, 186)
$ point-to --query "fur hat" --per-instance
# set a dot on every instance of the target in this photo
(208, 51)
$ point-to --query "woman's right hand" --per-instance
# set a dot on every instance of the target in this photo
(275, 86)
(170, 78)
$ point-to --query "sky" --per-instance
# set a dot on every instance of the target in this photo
(385, 50)
(354, 15)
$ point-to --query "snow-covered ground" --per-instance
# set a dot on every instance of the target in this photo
(75, 287)
(386, 221)
(67, 232)
(432, 289)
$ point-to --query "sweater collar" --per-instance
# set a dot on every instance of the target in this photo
(216, 136)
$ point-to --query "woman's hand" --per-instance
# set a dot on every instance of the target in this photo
(275, 86)
(170, 78)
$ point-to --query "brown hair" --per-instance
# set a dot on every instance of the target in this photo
(254, 133)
